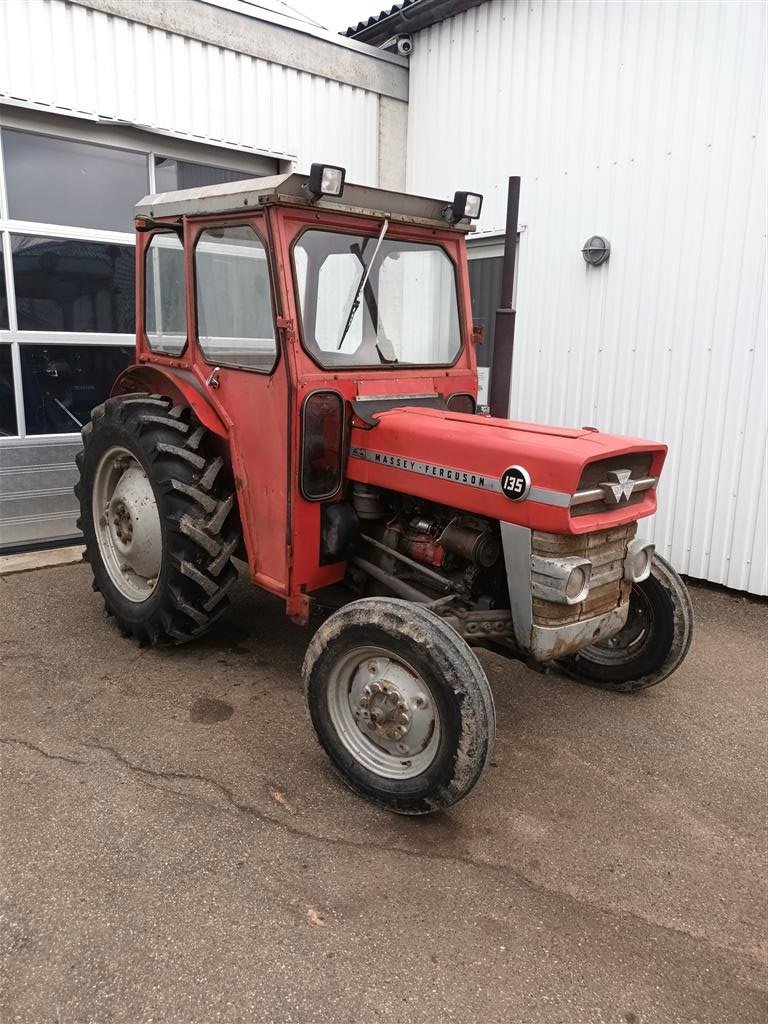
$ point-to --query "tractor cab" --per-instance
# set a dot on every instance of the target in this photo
(282, 314)
(304, 400)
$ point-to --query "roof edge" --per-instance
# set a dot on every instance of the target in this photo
(406, 18)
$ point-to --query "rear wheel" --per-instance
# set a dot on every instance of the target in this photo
(651, 645)
(155, 511)
(400, 704)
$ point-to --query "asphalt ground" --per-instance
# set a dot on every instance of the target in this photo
(175, 847)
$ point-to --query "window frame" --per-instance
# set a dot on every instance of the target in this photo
(117, 137)
(356, 367)
(72, 341)
(19, 229)
(169, 230)
(261, 236)
(77, 139)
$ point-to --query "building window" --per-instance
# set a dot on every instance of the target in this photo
(234, 306)
(485, 288)
(165, 315)
(171, 174)
(68, 285)
(62, 383)
(7, 396)
(61, 181)
(3, 293)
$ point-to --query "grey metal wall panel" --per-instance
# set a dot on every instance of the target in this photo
(37, 502)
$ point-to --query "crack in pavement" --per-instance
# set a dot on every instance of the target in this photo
(39, 750)
(426, 855)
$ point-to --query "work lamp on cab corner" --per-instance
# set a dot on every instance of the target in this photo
(465, 206)
(326, 180)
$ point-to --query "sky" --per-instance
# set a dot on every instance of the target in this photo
(337, 15)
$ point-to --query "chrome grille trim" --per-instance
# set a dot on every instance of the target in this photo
(645, 483)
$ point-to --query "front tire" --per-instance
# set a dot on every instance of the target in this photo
(400, 704)
(156, 513)
(651, 645)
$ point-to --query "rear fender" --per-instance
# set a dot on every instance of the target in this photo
(180, 386)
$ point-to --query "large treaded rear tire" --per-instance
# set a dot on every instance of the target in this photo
(196, 505)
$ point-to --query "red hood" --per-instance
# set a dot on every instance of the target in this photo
(459, 459)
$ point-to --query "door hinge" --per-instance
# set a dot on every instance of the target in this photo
(284, 323)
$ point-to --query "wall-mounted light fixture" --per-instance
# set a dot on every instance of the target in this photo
(596, 250)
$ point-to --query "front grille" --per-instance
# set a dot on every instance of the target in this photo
(589, 500)
(606, 550)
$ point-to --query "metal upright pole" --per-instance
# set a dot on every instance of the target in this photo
(504, 332)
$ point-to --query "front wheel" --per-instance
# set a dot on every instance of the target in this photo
(653, 642)
(400, 704)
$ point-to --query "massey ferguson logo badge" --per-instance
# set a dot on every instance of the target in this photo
(515, 483)
(618, 487)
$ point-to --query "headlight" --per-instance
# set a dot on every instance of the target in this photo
(577, 585)
(637, 564)
(562, 580)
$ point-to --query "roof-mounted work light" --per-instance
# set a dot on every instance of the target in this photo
(465, 205)
(326, 180)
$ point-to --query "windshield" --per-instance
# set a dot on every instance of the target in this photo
(404, 311)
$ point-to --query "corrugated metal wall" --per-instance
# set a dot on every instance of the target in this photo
(644, 122)
(150, 78)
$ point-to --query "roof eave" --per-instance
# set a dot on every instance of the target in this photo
(407, 18)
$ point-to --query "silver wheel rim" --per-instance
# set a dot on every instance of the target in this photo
(384, 713)
(127, 524)
(631, 638)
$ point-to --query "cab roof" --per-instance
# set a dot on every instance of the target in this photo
(292, 190)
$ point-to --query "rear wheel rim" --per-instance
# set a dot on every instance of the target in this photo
(632, 639)
(127, 524)
(384, 713)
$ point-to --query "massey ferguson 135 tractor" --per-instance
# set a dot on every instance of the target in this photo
(303, 400)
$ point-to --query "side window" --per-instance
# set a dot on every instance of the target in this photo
(234, 306)
(165, 318)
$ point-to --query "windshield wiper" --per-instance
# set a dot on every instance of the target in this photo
(364, 280)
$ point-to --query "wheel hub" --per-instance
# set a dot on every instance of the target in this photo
(635, 632)
(385, 710)
(391, 708)
(128, 524)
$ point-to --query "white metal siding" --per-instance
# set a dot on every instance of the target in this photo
(644, 122)
(68, 58)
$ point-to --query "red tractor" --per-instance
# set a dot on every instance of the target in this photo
(304, 400)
